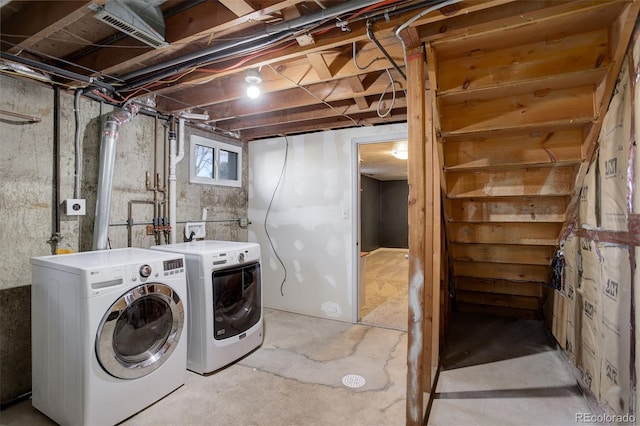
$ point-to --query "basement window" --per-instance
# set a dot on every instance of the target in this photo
(215, 163)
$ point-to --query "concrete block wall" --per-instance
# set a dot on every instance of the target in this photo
(27, 191)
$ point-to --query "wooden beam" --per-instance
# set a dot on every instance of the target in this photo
(491, 285)
(436, 231)
(536, 61)
(420, 218)
(286, 76)
(311, 112)
(502, 271)
(320, 66)
(335, 122)
(506, 233)
(499, 311)
(561, 146)
(503, 253)
(524, 111)
(504, 300)
(238, 7)
(40, 19)
(189, 30)
(528, 27)
(552, 181)
(508, 209)
(287, 99)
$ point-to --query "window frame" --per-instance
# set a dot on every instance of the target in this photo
(217, 146)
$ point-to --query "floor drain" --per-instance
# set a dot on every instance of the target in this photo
(353, 381)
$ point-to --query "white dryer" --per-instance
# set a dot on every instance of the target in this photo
(108, 333)
(225, 301)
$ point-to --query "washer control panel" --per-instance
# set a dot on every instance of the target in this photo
(173, 266)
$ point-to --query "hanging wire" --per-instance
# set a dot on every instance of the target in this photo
(355, 61)
(392, 83)
(266, 216)
(316, 96)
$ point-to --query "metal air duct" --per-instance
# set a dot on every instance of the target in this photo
(141, 19)
(105, 174)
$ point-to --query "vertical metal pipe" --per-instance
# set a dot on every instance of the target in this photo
(78, 150)
(105, 174)
(56, 237)
(105, 184)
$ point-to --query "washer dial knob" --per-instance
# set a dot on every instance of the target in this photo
(241, 258)
(145, 271)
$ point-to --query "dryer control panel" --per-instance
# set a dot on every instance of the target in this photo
(234, 256)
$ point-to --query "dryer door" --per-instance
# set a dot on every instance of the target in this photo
(236, 300)
(140, 331)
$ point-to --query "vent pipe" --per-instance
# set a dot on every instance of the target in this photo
(105, 174)
(141, 19)
(270, 34)
(173, 160)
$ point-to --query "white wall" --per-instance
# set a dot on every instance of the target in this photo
(305, 222)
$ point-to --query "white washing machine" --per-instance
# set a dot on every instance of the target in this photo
(108, 333)
(225, 301)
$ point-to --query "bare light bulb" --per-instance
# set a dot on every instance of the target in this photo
(253, 78)
(253, 91)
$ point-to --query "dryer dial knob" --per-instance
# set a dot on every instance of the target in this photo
(241, 258)
(145, 271)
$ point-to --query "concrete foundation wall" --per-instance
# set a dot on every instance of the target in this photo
(27, 191)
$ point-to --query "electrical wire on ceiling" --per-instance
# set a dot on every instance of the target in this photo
(391, 84)
(316, 96)
(108, 46)
(247, 59)
(259, 50)
(55, 58)
(79, 42)
(355, 61)
(261, 38)
(415, 18)
(50, 71)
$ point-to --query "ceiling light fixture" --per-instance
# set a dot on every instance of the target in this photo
(253, 79)
(401, 154)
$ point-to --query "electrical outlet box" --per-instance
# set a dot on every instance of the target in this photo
(75, 207)
(198, 229)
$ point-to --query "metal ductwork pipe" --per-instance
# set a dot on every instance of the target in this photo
(282, 29)
(105, 173)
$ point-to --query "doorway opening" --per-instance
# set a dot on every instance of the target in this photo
(383, 234)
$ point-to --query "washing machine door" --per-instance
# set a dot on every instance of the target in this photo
(140, 331)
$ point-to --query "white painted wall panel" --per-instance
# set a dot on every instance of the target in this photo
(306, 220)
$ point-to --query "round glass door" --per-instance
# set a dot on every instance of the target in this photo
(140, 331)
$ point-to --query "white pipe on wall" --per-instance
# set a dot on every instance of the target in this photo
(176, 154)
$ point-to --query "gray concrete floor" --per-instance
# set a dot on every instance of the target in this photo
(295, 378)
(500, 371)
(496, 371)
